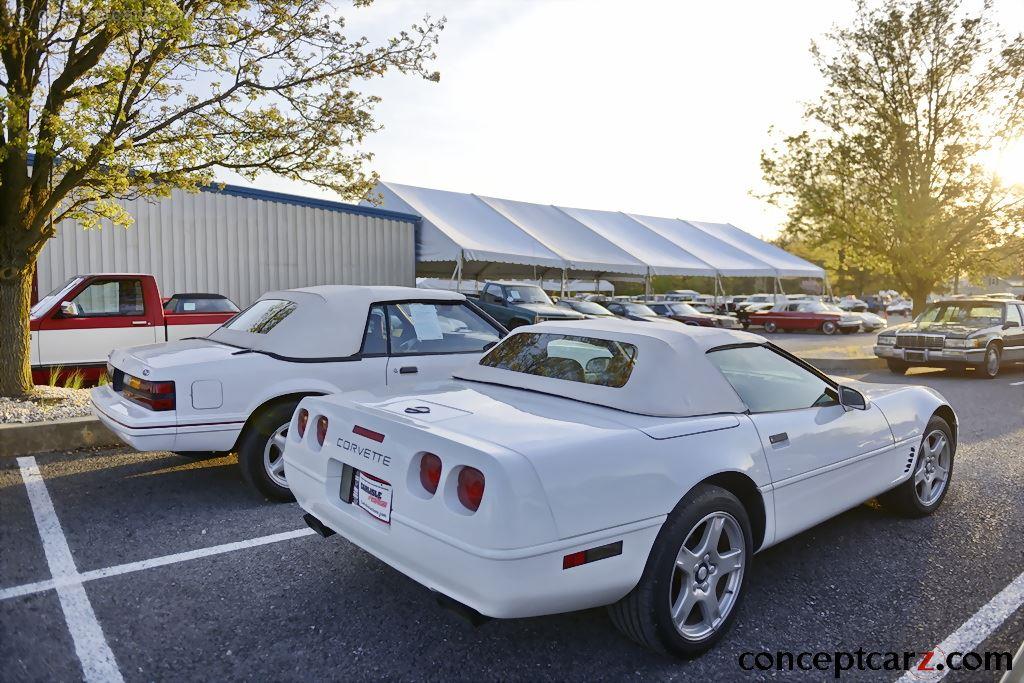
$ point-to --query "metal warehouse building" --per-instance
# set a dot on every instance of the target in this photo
(240, 242)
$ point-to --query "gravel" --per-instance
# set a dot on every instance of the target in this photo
(47, 403)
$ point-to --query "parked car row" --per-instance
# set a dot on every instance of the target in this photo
(537, 471)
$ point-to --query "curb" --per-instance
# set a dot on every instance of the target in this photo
(850, 365)
(54, 435)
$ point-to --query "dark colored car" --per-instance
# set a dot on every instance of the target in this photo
(199, 303)
(957, 333)
(588, 309)
(686, 313)
(518, 303)
(631, 310)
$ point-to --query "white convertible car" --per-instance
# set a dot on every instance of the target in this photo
(609, 463)
(237, 388)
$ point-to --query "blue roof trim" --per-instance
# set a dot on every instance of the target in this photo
(298, 200)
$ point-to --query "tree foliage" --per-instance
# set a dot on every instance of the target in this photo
(891, 162)
(121, 98)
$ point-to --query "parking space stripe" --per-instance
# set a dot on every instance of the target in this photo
(975, 630)
(57, 582)
(98, 663)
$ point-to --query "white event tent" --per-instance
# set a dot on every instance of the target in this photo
(474, 237)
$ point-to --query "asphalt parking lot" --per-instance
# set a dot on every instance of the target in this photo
(173, 569)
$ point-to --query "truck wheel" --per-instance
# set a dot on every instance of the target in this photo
(693, 582)
(829, 327)
(989, 367)
(261, 450)
(897, 367)
(770, 327)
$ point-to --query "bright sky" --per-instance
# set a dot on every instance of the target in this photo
(659, 108)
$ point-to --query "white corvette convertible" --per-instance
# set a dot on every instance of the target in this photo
(609, 463)
(237, 388)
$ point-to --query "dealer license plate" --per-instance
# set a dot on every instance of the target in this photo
(373, 495)
(916, 356)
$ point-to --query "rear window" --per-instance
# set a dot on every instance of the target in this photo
(262, 316)
(575, 359)
(207, 304)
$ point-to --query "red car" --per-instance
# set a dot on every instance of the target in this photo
(806, 315)
(686, 313)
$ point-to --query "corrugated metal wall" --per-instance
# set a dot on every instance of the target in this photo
(236, 245)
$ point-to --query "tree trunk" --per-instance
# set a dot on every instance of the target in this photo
(919, 293)
(15, 302)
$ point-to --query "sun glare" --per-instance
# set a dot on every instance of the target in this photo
(1008, 164)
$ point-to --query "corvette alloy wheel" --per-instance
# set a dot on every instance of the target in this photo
(273, 455)
(707, 576)
(932, 471)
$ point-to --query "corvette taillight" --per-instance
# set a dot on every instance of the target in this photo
(430, 472)
(321, 429)
(303, 421)
(471, 488)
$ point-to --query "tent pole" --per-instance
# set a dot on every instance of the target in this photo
(563, 283)
(647, 284)
(458, 269)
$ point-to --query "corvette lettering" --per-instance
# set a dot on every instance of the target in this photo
(364, 451)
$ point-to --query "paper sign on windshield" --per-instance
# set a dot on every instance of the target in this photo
(425, 322)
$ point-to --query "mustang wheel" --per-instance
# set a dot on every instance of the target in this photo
(261, 451)
(923, 492)
(897, 367)
(989, 368)
(829, 327)
(693, 581)
(770, 327)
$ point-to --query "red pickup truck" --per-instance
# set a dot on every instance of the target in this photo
(78, 324)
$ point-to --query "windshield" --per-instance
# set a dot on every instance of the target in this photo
(526, 294)
(683, 309)
(962, 313)
(47, 301)
(589, 308)
(638, 309)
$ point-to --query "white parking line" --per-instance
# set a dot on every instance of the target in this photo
(975, 630)
(1016, 384)
(91, 646)
(116, 570)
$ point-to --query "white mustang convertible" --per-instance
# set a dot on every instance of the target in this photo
(595, 463)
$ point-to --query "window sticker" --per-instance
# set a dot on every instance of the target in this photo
(425, 322)
(189, 305)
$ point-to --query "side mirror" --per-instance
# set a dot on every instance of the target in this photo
(1010, 323)
(68, 309)
(851, 399)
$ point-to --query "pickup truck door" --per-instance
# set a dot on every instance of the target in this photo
(106, 312)
(824, 458)
(429, 342)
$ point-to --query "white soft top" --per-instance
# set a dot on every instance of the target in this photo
(672, 376)
(329, 321)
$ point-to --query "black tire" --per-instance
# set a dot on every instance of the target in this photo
(829, 327)
(897, 367)
(905, 499)
(645, 614)
(770, 327)
(251, 447)
(989, 368)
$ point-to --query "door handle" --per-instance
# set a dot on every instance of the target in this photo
(407, 370)
(140, 322)
(778, 438)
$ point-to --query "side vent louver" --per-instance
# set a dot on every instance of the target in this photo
(910, 461)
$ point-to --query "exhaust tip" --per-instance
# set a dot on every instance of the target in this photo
(461, 609)
(317, 526)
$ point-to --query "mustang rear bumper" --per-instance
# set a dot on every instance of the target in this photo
(148, 430)
(936, 357)
(500, 583)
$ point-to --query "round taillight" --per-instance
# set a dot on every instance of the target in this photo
(303, 421)
(471, 487)
(321, 429)
(430, 472)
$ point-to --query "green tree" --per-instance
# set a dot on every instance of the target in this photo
(120, 98)
(891, 161)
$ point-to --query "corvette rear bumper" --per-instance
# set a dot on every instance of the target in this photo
(501, 583)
